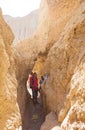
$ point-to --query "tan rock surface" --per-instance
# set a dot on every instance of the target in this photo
(50, 122)
(26, 52)
(9, 112)
(23, 27)
(60, 40)
(51, 23)
(65, 65)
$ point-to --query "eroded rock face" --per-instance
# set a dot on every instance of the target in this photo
(23, 27)
(9, 112)
(51, 24)
(60, 39)
(65, 85)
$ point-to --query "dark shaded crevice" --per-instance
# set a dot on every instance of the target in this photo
(34, 115)
(22, 99)
(27, 110)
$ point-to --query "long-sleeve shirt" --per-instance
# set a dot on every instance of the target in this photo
(35, 83)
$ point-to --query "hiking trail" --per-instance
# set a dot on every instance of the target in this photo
(34, 116)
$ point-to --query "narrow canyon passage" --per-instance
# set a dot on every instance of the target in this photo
(34, 116)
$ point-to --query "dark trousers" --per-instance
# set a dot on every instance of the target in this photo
(35, 94)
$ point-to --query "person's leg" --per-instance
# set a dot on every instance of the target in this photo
(33, 94)
(36, 94)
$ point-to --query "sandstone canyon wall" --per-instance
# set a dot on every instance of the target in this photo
(52, 21)
(58, 49)
(23, 27)
(65, 88)
(9, 111)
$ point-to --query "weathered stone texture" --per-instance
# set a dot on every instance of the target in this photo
(60, 39)
(66, 83)
(9, 112)
(23, 27)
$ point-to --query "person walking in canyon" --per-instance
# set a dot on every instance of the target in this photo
(34, 86)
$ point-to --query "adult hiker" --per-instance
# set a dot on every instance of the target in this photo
(34, 87)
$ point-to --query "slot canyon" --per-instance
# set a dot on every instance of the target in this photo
(56, 48)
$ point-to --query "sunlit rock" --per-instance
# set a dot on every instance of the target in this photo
(23, 27)
(9, 111)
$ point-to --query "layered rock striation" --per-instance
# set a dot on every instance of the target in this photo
(58, 49)
(9, 111)
(23, 27)
(64, 90)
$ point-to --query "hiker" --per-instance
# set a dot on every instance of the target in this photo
(34, 86)
(41, 82)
